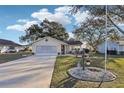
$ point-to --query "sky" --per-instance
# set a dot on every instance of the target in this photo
(15, 19)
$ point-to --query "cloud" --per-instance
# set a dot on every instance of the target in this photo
(15, 27)
(29, 23)
(78, 17)
(60, 15)
(57, 16)
(64, 9)
(20, 27)
(71, 35)
(22, 20)
(81, 16)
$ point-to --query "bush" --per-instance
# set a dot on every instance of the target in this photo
(26, 49)
(112, 52)
(121, 52)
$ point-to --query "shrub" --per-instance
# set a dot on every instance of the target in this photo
(112, 52)
(121, 52)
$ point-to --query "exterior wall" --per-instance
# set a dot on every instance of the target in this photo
(19, 48)
(75, 46)
(1, 47)
(4, 47)
(120, 49)
(50, 42)
(86, 45)
(111, 46)
(67, 49)
(72, 47)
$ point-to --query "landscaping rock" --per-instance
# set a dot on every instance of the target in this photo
(93, 74)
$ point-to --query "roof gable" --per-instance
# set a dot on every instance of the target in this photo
(59, 41)
(74, 42)
(70, 42)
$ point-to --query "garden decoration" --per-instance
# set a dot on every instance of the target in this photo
(84, 72)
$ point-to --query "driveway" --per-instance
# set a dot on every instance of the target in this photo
(29, 72)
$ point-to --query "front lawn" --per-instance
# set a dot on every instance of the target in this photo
(60, 77)
(12, 56)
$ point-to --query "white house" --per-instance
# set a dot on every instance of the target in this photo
(74, 44)
(52, 46)
(4, 44)
(112, 45)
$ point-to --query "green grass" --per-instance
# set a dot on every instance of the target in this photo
(61, 79)
(12, 56)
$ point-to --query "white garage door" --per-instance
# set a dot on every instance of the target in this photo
(46, 50)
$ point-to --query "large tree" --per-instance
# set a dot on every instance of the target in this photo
(92, 31)
(115, 13)
(46, 28)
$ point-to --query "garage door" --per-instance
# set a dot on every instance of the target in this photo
(46, 50)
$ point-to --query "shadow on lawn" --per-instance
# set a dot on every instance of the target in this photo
(67, 83)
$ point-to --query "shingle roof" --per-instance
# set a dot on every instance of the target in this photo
(8, 42)
(73, 42)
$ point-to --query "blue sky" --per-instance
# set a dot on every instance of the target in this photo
(14, 19)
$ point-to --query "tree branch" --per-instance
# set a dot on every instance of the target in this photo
(115, 25)
(116, 14)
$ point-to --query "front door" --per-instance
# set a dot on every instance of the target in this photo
(62, 49)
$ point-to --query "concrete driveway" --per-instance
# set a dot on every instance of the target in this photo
(33, 72)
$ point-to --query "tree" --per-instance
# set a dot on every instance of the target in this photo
(46, 28)
(92, 31)
(115, 13)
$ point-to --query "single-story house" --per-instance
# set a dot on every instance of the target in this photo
(7, 43)
(112, 46)
(74, 44)
(53, 46)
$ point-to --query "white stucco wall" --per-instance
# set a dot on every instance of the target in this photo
(50, 42)
(3, 47)
(17, 48)
(71, 47)
(121, 48)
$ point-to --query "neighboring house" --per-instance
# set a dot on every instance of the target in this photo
(52, 46)
(73, 44)
(112, 46)
(7, 43)
(85, 45)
